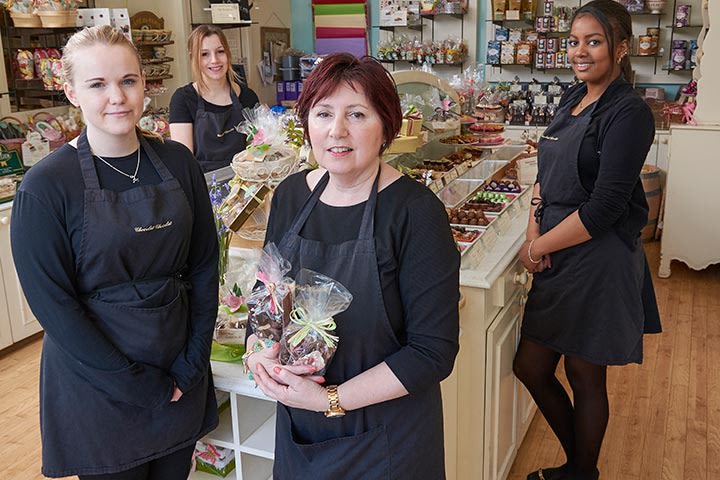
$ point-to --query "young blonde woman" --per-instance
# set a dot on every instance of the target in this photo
(204, 113)
(114, 243)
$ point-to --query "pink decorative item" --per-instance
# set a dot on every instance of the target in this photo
(688, 113)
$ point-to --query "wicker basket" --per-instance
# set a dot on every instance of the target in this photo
(58, 18)
(14, 143)
(26, 20)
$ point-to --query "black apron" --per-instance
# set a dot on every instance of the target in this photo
(134, 245)
(398, 439)
(211, 151)
(589, 304)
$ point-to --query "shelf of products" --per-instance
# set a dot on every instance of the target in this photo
(547, 38)
(152, 39)
(683, 50)
(33, 66)
(437, 53)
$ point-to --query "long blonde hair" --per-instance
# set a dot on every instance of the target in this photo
(194, 44)
(89, 37)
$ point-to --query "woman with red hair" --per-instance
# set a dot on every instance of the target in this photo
(377, 412)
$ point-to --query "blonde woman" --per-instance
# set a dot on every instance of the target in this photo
(114, 243)
(204, 113)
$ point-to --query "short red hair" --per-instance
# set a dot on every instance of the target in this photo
(365, 74)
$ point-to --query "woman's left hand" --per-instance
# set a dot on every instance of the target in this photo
(295, 391)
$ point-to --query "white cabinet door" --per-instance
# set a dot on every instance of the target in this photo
(663, 151)
(22, 322)
(525, 404)
(500, 392)
(5, 332)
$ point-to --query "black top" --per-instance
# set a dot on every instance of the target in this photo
(184, 103)
(410, 221)
(50, 202)
(611, 156)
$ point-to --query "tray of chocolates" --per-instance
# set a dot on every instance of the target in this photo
(466, 234)
(487, 127)
(467, 154)
(490, 203)
(469, 217)
(503, 186)
(460, 140)
(466, 237)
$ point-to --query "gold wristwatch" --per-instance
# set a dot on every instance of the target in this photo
(334, 409)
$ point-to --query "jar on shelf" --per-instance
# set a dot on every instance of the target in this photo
(678, 55)
(645, 45)
(682, 16)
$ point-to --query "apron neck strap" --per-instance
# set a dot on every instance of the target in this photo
(201, 101)
(160, 167)
(87, 165)
(367, 226)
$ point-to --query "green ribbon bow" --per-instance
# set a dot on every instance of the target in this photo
(323, 326)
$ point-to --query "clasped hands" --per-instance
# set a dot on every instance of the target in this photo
(528, 263)
(291, 385)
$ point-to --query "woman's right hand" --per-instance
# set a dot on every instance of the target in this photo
(268, 358)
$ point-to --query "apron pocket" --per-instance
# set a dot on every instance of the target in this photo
(368, 452)
(154, 335)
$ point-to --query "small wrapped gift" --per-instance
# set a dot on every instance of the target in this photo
(241, 202)
(411, 122)
(214, 460)
(269, 304)
(309, 337)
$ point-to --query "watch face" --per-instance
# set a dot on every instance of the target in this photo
(334, 413)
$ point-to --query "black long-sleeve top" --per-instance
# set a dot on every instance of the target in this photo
(611, 156)
(418, 264)
(46, 237)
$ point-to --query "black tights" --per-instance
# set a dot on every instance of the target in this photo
(579, 425)
(175, 466)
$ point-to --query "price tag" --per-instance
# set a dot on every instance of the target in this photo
(512, 14)
(461, 169)
(540, 99)
(535, 87)
(434, 188)
(450, 176)
(516, 87)
(439, 184)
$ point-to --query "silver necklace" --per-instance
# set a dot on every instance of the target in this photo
(132, 177)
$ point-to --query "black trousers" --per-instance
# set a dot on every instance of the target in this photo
(175, 466)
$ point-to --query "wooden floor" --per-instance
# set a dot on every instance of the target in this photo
(664, 418)
(665, 413)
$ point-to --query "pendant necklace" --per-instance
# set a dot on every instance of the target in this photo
(132, 177)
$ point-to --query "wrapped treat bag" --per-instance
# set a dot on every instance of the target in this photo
(309, 338)
(232, 309)
(269, 304)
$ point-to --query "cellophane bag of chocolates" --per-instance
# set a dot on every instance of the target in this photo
(270, 302)
(309, 338)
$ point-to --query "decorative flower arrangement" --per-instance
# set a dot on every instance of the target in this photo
(269, 135)
(274, 141)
